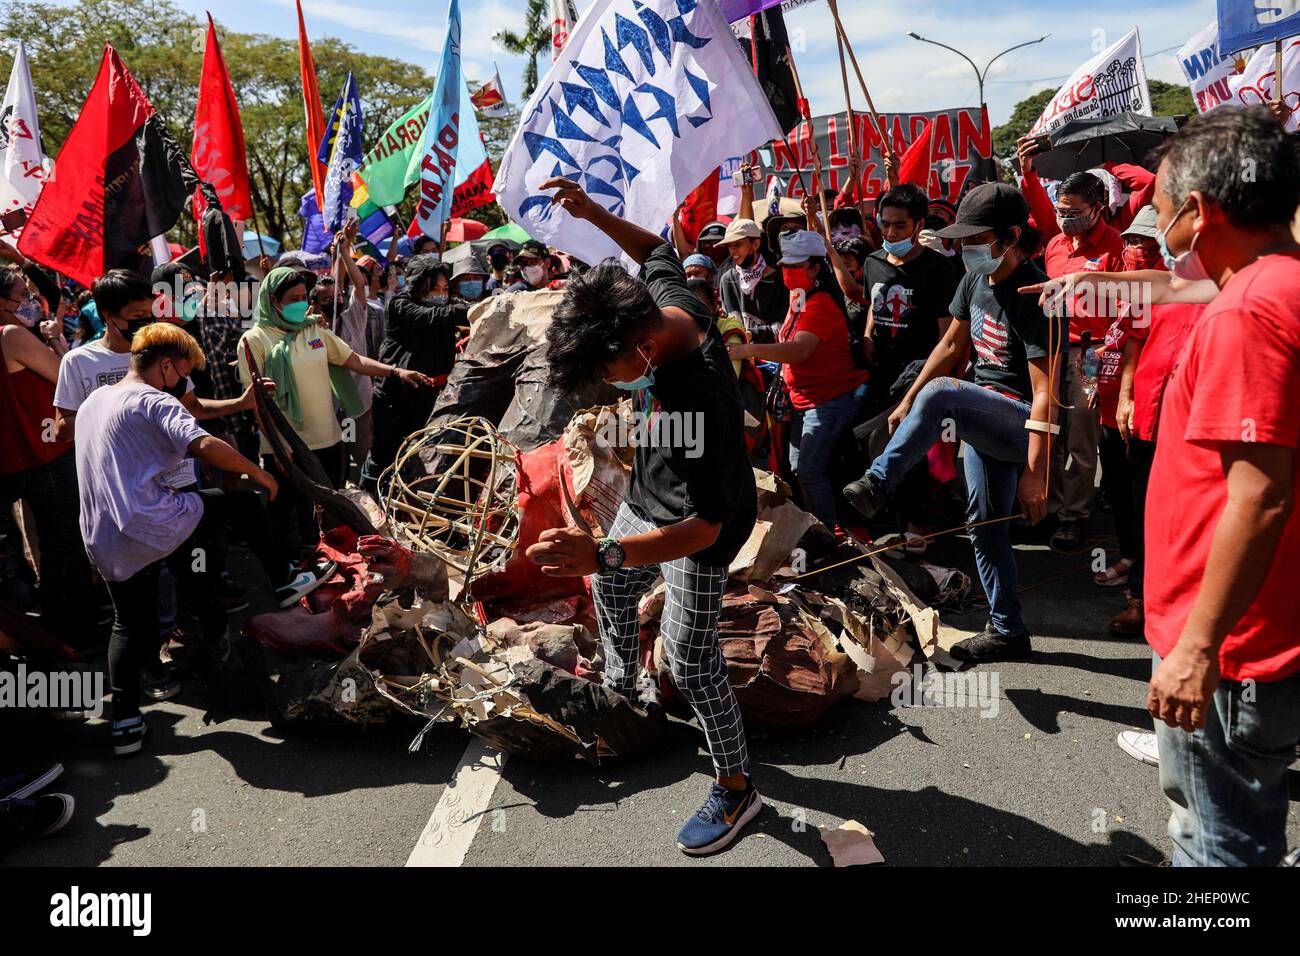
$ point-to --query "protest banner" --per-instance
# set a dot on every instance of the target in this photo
(1245, 24)
(1112, 82)
(23, 165)
(1208, 72)
(961, 149)
(1257, 85)
(640, 124)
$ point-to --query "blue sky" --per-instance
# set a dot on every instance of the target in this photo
(901, 73)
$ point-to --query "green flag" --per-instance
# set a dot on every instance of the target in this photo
(384, 168)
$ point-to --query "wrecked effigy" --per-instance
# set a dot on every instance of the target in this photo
(462, 627)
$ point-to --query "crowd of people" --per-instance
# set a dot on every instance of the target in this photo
(1128, 336)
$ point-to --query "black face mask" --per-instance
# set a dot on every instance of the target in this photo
(135, 325)
(500, 260)
(749, 260)
(178, 390)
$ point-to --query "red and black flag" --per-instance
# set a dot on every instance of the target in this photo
(768, 50)
(119, 180)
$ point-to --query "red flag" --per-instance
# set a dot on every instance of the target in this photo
(701, 207)
(119, 180)
(914, 166)
(315, 114)
(218, 153)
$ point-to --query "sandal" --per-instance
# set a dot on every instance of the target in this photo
(1115, 575)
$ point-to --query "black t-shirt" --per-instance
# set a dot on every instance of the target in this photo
(764, 311)
(698, 467)
(908, 300)
(1007, 328)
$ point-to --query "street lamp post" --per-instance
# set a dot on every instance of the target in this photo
(980, 76)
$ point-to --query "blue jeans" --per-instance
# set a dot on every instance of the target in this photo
(817, 432)
(1227, 783)
(992, 428)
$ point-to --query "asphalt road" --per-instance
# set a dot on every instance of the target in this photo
(1039, 782)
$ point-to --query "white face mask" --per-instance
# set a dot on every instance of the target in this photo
(534, 275)
(749, 278)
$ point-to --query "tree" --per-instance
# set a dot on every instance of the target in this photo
(1167, 99)
(163, 48)
(535, 40)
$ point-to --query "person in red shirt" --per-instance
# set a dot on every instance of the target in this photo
(1086, 243)
(826, 389)
(1223, 547)
(1158, 333)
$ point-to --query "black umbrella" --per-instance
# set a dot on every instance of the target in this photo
(1088, 143)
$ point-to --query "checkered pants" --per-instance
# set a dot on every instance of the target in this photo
(689, 627)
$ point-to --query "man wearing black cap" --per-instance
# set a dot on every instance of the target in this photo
(1004, 415)
(498, 259)
(534, 266)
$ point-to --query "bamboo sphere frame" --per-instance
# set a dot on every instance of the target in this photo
(468, 520)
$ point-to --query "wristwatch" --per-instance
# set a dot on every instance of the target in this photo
(609, 555)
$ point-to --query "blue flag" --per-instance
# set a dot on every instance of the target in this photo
(441, 142)
(343, 134)
(1244, 24)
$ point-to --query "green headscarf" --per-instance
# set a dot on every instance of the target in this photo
(279, 365)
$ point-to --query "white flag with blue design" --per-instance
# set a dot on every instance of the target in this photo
(645, 101)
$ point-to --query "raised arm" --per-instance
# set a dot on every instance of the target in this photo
(637, 242)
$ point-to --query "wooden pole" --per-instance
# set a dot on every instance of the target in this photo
(844, 38)
(848, 107)
(1277, 71)
(819, 176)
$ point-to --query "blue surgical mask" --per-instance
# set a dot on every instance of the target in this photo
(1188, 265)
(900, 248)
(471, 289)
(436, 299)
(644, 382)
(979, 260)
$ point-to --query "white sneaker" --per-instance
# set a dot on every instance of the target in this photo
(304, 583)
(1141, 747)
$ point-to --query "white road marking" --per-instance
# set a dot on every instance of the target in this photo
(461, 808)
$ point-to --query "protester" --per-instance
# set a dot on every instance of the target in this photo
(812, 347)
(752, 287)
(1087, 242)
(347, 311)
(499, 259)
(534, 263)
(709, 243)
(308, 364)
(687, 511)
(899, 300)
(133, 434)
(700, 266)
(1004, 416)
(424, 324)
(469, 279)
(1221, 601)
(36, 464)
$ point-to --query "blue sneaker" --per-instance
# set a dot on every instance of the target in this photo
(720, 820)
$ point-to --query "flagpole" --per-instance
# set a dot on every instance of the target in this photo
(1277, 71)
(844, 37)
(848, 104)
(818, 176)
